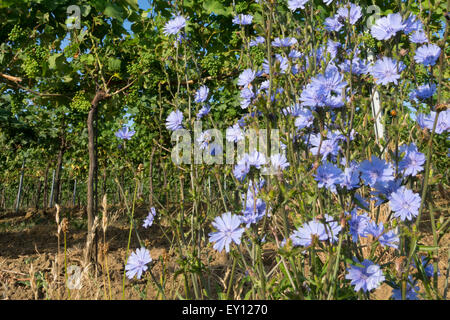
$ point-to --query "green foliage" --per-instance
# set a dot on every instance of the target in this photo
(17, 33)
(212, 62)
(258, 55)
(147, 74)
(79, 102)
(216, 7)
(34, 57)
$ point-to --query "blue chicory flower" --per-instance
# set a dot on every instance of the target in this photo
(203, 111)
(411, 291)
(386, 71)
(332, 80)
(350, 178)
(174, 120)
(413, 161)
(228, 231)
(314, 96)
(427, 121)
(296, 4)
(412, 24)
(256, 159)
(427, 54)
(256, 41)
(202, 94)
(175, 25)
(386, 27)
(333, 24)
(418, 37)
(246, 77)
(137, 263)
(254, 208)
(149, 219)
(389, 238)
(367, 277)
(284, 42)
(376, 170)
(242, 168)
(328, 175)
(304, 119)
(358, 66)
(125, 133)
(203, 139)
(358, 224)
(383, 190)
(246, 95)
(332, 228)
(423, 92)
(278, 162)
(324, 147)
(350, 12)
(404, 203)
(304, 235)
(234, 133)
(243, 19)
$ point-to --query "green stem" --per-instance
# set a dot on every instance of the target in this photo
(129, 239)
(230, 283)
(336, 268)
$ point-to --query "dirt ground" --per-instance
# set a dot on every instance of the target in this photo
(29, 250)
(29, 245)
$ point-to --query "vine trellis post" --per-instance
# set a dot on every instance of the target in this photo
(376, 107)
(19, 192)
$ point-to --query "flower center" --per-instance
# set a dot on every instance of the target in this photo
(406, 206)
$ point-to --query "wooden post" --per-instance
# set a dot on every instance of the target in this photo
(19, 192)
(50, 202)
(74, 194)
(38, 194)
(376, 108)
(46, 187)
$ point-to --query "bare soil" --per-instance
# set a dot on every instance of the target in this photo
(32, 265)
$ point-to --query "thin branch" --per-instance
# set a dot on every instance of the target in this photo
(122, 89)
(40, 94)
(11, 78)
(16, 81)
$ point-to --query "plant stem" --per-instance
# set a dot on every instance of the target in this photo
(129, 240)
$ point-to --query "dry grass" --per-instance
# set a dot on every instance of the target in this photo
(32, 264)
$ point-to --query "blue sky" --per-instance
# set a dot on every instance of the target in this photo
(144, 5)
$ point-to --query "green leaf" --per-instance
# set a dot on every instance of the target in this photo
(67, 78)
(133, 4)
(428, 248)
(87, 59)
(188, 3)
(85, 10)
(215, 6)
(113, 64)
(114, 11)
(55, 61)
